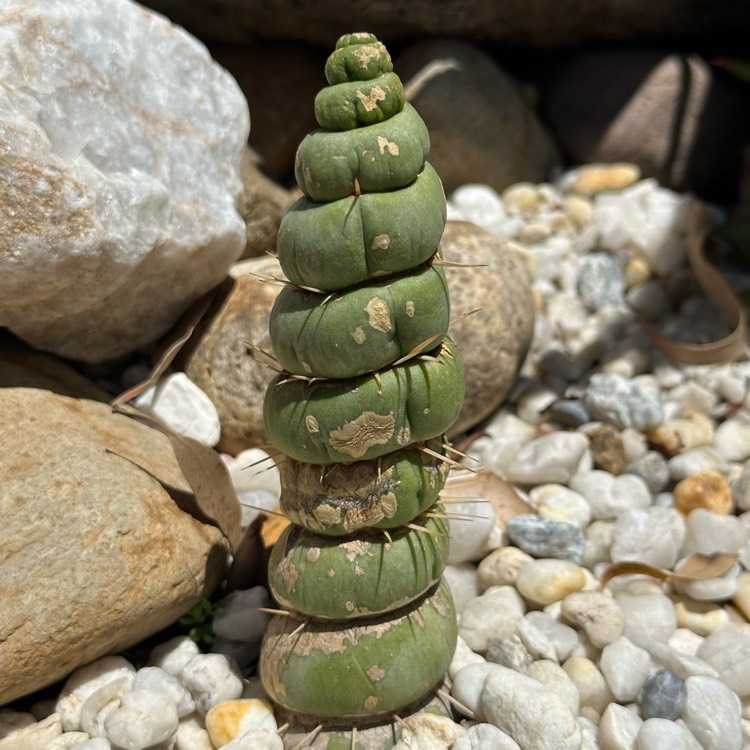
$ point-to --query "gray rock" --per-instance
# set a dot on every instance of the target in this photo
(600, 281)
(509, 651)
(624, 402)
(652, 468)
(125, 176)
(662, 696)
(542, 537)
(117, 548)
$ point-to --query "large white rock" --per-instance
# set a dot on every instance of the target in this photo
(120, 146)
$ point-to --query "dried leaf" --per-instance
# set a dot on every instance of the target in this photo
(700, 567)
(207, 476)
(183, 331)
(628, 568)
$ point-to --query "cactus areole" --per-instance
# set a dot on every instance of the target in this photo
(371, 382)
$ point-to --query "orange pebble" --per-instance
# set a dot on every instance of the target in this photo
(706, 489)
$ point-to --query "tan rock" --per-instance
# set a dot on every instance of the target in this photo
(591, 179)
(232, 375)
(741, 598)
(501, 567)
(231, 719)
(706, 489)
(692, 430)
(36, 736)
(494, 341)
(481, 128)
(95, 554)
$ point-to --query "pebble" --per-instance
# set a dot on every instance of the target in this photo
(239, 619)
(732, 440)
(618, 728)
(715, 589)
(556, 502)
(662, 696)
(543, 537)
(624, 402)
(652, 468)
(607, 495)
(550, 458)
(231, 719)
(463, 581)
(728, 651)
(509, 651)
(462, 657)
(663, 734)
(694, 461)
(705, 489)
(556, 679)
(648, 298)
(607, 449)
(549, 580)
(563, 638)
(678, 435)
(741, 490)
(260, 740)
(101, 703)
(493, 614)
(485, 737)
(183, 407)
(468, 683)
(470, 534)
(598, 538)
(191, 735)
(700, 617)
(66, 741)
(712, 713)
(741, 597)
(501, 567)
(597, 614)
(173, 655)
(682, 664)
(593, 690)
(649, 617)
(709, 532)
(538, 643)
(568, 412)
(142, 719)
(156, 679)
(256, 481)
(426, 731)
(95, 743)
(649, 535)
(36, 736)
(600, 281)
(86, 681)
(211, 679)
(625, 666)
(531, 714)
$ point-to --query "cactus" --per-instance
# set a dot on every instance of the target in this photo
(371, 382)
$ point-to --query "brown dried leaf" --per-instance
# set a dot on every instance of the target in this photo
(628, 568)
(700, 567)
(207, 476)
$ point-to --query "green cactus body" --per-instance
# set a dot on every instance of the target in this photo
(371, 382)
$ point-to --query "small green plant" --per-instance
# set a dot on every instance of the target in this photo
(371, 382)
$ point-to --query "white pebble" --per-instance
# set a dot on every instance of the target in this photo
(625, 666)
(728, 651)
(715, 589)
(551, 458)
(684, 465)
(549, 580)
(597, 543)
(66, 741)
(231, 719)
(709, 532)
(712, 713)
(485, 737)
(589, 734)
(649, 617)
(156, 679)
(468, 683)
(263, 739)
(143, 718)
(426, 731)
(618, 728)
(95, 743)
(597, 614)
(556, 679)
(239, 619)
(530, 713)
(501, 567)
(85, 681)
(649, 535)
(173, 655)
(36, 736)
(211, 679)
(663, 734)
(558, 503)
(680, 663)
(732, 438)
(537, 643)
(563, 638)
(493, 614)
(191, 735)
(589, 681)
(462, 657)
(471, 531)
(608, 495)
(256, 481)
(463, 582)
(101, 703)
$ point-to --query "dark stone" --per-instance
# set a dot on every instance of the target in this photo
(543, 537)
(662, 696)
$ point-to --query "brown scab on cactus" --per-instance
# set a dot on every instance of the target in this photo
(372, 383)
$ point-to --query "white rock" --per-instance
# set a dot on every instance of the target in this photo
(211, 679)
(11, 720)
(712, 713)
(37, 736)
(485, 737)
(173, 655)
(239, 619)
(709, 532)
(680, 663)
(537, 644)
(231, 719)
(597, 543)
(692, 462)
(558, 503)
(463, 582)
(608, 495)
(256, 481)
(596, 613)
(84, 682)
(101, 703)
(556, 679)
(589, 734)
(732, 438)
(507, 433)
(263, 739)
(191, 735)
(625, 666)
(663, 734)
(470, 533)
(589, 681)
(143, 718)
(715, 589)
(462, 657)
(618, 728)
(501, 567)
(427, 731)
(126, 176)
(530, 713)
(649, 617)
(728, 651)
(95, 743)
(182, 406)
(551, 458)
(685, 640)
(67, 740)
(468, 683)
(549, 580)
(156, 679)
(562, 637)
(493, 614)
(649, 535)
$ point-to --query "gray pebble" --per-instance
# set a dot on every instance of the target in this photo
(543, 537)
(662, 696)
(568, 412)
(509, 651)
(624, 402)
(652, 468)
(600, 281)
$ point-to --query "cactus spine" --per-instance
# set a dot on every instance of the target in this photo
(371, 383)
